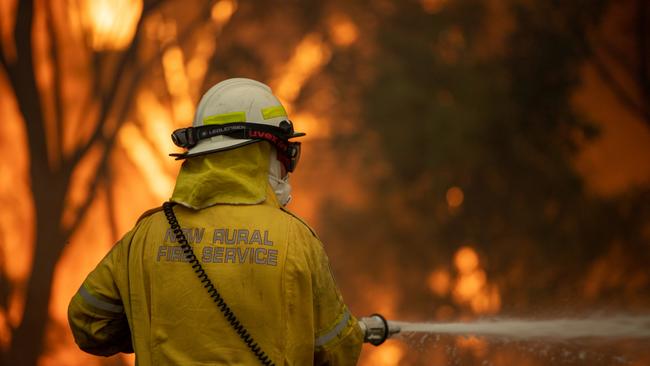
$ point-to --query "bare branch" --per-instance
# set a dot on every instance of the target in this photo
(110, 140)
(3, 60)
(44, 185)
(617, 89)
(92, 192)
(150, 6)
(57, 90)
(87, 103)
(615, 54)
(5, 283)
(103, 164)
(642, 51)
(23, 81)
(110, 204)
(108, 100)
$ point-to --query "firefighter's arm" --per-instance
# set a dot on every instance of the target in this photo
(96, 313)
(338, 338)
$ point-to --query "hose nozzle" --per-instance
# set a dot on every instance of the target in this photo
(376, 329)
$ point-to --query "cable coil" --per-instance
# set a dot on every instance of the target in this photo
(212, 290)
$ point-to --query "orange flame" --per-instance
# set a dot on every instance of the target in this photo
(466, 260)
(433, 6)
(109, 24)
(455, 197)
(309, 56)
(342, 30)
(223, 10)
(439, 282)
(147, 161)
(178, 84)
(389, 354)
(472, 285)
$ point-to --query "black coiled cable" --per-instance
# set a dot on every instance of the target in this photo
(212, 291)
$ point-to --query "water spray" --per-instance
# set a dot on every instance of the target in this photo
(377, 329)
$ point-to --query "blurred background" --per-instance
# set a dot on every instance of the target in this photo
(463, 158)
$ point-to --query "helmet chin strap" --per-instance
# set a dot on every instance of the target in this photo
(279, 183)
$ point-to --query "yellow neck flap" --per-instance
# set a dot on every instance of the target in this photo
(238, 176)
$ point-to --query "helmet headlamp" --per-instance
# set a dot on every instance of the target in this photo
(288, 151)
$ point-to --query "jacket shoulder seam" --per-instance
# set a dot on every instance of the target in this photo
(301, 221)
(148, 213)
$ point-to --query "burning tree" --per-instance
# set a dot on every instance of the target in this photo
(91, 90)
(35, 63)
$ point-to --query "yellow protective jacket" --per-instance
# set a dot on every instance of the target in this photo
(268, 265)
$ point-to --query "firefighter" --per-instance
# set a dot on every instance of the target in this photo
(241, 280)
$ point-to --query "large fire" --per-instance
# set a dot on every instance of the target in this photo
(140, 175)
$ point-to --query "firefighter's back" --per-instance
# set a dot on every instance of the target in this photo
(269, 267)
(263, 277)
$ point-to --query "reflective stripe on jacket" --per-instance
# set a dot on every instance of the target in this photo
(268, 265)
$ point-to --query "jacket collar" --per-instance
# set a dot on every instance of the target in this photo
(235, 177)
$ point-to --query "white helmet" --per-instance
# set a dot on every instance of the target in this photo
(238, 112)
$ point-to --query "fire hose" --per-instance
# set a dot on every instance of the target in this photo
(376, 329)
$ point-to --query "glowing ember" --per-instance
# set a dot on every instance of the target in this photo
(223, 10)
(342, 30)
(469, 285)
(439, 282)
(389, 354)
(477, 346)
(455, 197)
(433, 6)
(466, 260)
(472, 287)
(487, 301)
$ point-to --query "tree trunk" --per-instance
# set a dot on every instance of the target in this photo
(28, 339)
